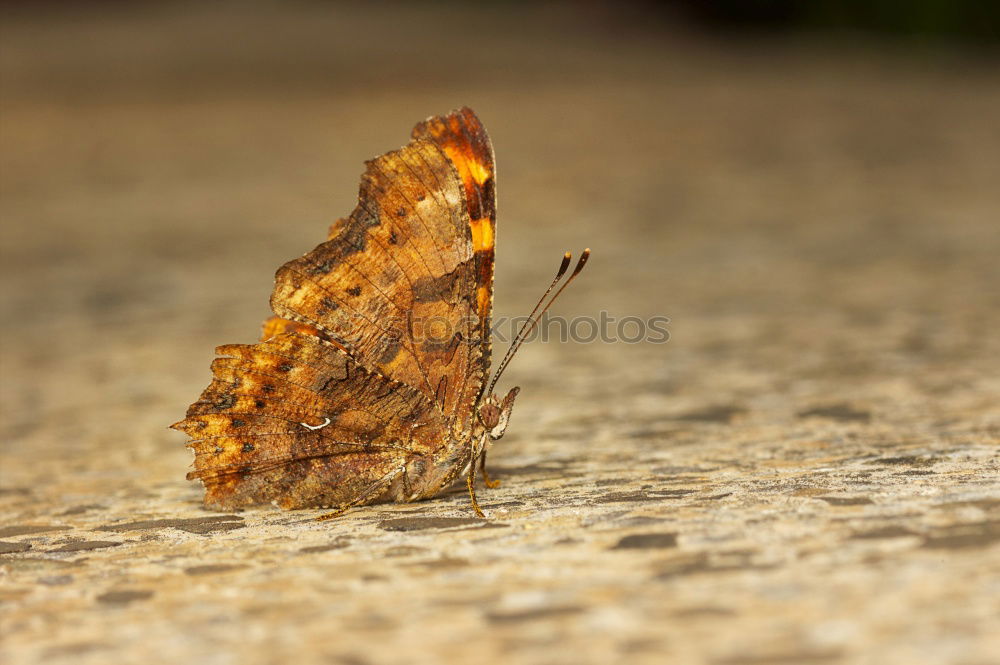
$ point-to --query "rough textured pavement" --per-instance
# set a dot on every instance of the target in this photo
(807, 472)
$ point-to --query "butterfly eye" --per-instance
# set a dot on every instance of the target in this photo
(489, 414)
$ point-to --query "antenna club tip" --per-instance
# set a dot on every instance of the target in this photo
(562, 267)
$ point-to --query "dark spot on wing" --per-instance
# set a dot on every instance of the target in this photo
(433, 289)
(391, 346)
(442, 390)
(444, 349)
(225, 401)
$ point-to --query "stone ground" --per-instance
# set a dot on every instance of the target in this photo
(807, 472)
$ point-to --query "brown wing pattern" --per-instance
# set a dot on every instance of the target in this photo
(380, 345)
(397, 285)
(249, 430)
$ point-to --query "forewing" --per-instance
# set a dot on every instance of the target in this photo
(249, 428)
(399, 284)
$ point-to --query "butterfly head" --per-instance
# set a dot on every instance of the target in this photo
(494, 412)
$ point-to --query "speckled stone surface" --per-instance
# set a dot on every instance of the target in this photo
(807, 472)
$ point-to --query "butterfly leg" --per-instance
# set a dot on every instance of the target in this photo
(471, 482)
(407, 490)
(372, 489)
(492, 484)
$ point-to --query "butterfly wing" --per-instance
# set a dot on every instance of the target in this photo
(296, 420)
(380, 345)
(404, 283)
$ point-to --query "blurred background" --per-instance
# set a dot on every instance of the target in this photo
(808, 190)
(820, 171)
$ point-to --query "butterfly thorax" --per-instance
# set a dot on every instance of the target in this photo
(427, 477)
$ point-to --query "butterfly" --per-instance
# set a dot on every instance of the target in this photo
(371, 381)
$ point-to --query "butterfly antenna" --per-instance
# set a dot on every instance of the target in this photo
(567, 257)
(533, 320)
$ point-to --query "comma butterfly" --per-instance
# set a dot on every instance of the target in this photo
(370, 382)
